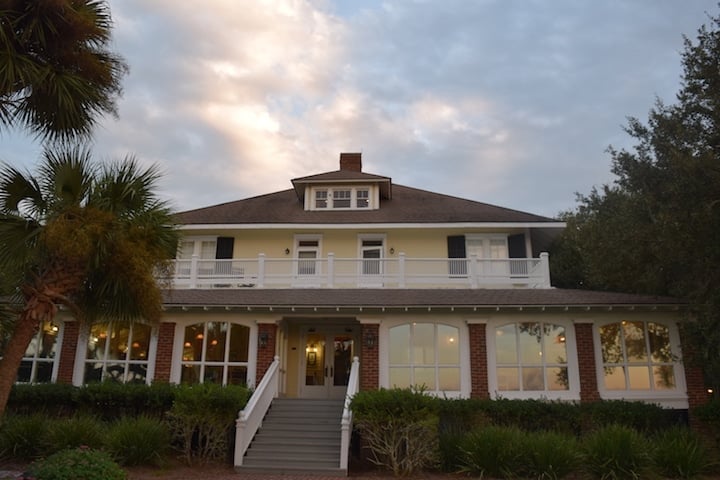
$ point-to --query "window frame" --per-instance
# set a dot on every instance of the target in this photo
(82, 361)
(670, 398)
(573, 391)
(464, 352)
(355, 202)
(35, 360)
(178, 346)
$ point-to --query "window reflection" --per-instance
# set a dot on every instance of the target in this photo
(531, 356)
(637, 355)
(117, 352)
(425, 354)
(39, 359)
(215, 352)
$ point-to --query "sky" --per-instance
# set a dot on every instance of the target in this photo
(508, 102)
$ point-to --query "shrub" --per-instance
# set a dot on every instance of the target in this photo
(616, 452)
(550, 455)
(54, 399)
(78, 463)
(67, 433)
(138, 441)
(494, 451)
(24, 437)
(679, 453)
(399, 426)
(640, 416)
(202, 418)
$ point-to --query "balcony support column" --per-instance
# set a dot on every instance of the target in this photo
(261, 271)
(473, 271)
(193, 271)
(545, 269)
(401, 270)
(330, 269)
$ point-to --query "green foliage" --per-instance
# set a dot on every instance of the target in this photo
(73, 432)
(202, 418)
(79, 463)
(23, 437)
(399, 426)
(108, 400)
(640, 416)
(494, 452)
(616, 452)
(550, 455)
(679, 453)
(138, 441)
(656, 228)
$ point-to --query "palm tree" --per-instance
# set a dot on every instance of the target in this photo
(88, 237)
(56, 72)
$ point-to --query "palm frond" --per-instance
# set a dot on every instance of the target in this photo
(20, 192)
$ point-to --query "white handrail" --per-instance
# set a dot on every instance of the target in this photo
(250, 418)
(346, 421)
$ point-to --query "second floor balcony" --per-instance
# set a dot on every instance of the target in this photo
(331, 272)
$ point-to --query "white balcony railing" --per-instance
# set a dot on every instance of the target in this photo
(331, 272)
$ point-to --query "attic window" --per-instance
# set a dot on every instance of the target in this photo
(343, 198)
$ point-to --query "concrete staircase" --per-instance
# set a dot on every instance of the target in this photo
(298, 436)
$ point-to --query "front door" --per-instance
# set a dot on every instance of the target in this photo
(326, 366)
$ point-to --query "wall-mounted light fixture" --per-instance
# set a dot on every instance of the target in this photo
(392, 250)
(287, 251)
(263, 339)
(370, 339)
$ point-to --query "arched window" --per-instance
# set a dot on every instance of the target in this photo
(215, 352)
(531, 357)
(117, 352)
(425, 354)
(637, 355)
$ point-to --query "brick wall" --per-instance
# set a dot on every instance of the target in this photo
(586, 362)
(71, 330)
(478, 361)
(163, 361)
(369, 361)
(694, 381)
(266, 354)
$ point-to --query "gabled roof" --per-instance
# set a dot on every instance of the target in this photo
(407, 206)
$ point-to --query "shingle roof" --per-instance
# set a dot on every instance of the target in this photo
(407, 205)
(370, 298)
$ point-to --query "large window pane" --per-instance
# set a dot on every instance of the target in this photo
(615, 378)
(557, 378)
(611, 343)
(506, 344)
(425, 377)
(530, 336)
(639, 378)
(400, 345)
(117, 352)
(400, 377)
(239, 342)
(216, 336)
(507, 379)
(533, 378)
(555, 344)
(635, 346)
(659, 338)
(424, 344)
(664, 376)
(448, 345)
(449, 379)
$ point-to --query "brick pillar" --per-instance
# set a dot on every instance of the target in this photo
(694, 381)
(586, 362)
(266, 353)
(369, 361)
(478, 361)
(163, 358)
(71, 331)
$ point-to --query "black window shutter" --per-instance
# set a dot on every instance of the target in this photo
(224, 247)
(516, 249)
(456, 249)
(516, 246)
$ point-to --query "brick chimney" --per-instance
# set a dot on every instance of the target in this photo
(351, 162)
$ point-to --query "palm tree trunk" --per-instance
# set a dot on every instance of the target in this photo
(25, 329)
(41, 304)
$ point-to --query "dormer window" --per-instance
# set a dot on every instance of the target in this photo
(321, 198)
(344, 198)
(341, 198)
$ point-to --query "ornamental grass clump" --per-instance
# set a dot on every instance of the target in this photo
(77, 464)
(138, 441)
(73, 432)
(616, 452)
(679, 453)
(494, 452)
(550, 455)
(23, 437)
